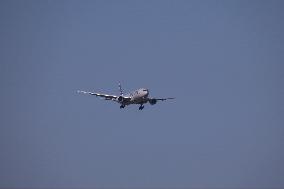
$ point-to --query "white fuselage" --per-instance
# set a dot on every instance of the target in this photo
(139, 96)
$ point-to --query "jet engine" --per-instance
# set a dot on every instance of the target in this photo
(120, 99)
(152, 101)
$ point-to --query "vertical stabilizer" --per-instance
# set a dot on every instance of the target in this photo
(120, 89)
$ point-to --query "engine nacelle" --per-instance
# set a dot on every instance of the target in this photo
(120, 99)
(152, 101)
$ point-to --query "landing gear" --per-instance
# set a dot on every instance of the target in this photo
(141, 107)
(122, 106)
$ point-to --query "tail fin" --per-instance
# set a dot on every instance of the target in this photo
(120, 89)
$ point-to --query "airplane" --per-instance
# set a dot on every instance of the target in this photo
(139, 96)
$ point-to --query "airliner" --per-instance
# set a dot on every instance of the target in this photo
(139, 96)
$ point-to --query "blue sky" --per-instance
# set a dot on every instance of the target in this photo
(222, 60)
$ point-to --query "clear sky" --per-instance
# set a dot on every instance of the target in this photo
(222, 60)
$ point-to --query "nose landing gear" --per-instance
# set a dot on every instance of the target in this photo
(122, 106)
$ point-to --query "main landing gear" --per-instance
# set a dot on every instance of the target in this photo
(141, 107)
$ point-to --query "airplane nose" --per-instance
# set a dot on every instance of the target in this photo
(147, 92)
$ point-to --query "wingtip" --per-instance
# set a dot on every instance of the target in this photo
(78, 91)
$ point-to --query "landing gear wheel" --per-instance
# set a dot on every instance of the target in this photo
(122, 106)
(141, 107)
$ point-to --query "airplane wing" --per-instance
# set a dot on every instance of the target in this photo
(106, 96)
(162, 99)
(153, 101)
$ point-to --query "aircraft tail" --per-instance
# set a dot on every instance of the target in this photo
(120, 89)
